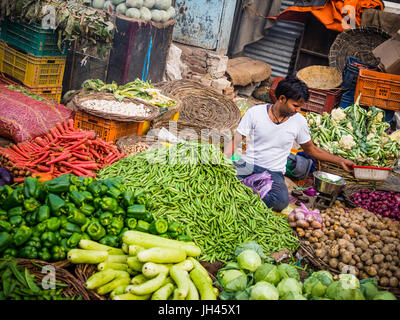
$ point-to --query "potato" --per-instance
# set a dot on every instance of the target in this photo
(346, 237)
(359, 251)
(371, 271)
(357, 258)
(361, 244)
(325, 259)
(352, 262)
(373, 238)
(389, 273)
(378, 258)
(320, 253)
(360, 265)
(351, 232)
(340, 232)
(397, 274)
(388, 258)
(346, 257)
(384, 281)
(385, 233)
(393, 282)
(333, 263)
(292, 224)
(303, 224)
(369, 262)
(365, 256)
(313, 239)
(334, 252)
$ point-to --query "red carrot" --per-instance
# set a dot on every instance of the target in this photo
(43, 168)
(44, 156)
(60, 158)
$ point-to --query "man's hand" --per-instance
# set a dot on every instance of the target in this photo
(347, 164)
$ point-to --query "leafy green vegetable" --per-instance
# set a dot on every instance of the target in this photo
(267, 272)
(249, 260)
(384, 295)
(289, 285)
(250, 245)
(288, 271)
(264, 291)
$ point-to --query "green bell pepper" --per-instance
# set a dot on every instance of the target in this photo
(88, 196)
(65, 233)
(16, 220)
(116, 225)
(95, 189)
(34, 242)
(5, 240)
(97, 203)
(22, 235)
(28, 252)
(158, 226)
(87, 209)
(3, 214)
(48, 239)
(14, 199)
(113, 183)
(71, 227)
(128, 199)
(57, 205)
(73, 187)
(149, 217)
(137, 211)
(77, 198)
(58, 253)
(77, 217)
(16, 211)
(105, 218)
(5, 191)
(43, 213)
(75, 180)
(109, 204)
(142, 226)
(74, 240)
(87, 181)
(95, 230)
(31, 204)
(110, 240)
(58, 185)
(58, 236)
(104, 189)
(31, 218)
(184, 237)
(85, 236)
(53, 224)
(119, 211)
(10, 253)
(31, 187)
(84, 227)
(131, 223)
(175, 227)
(5, 226)
(166, 236)
(39, 229)
(113, 193)
(141, 198)
(44, 254)
(64, 243)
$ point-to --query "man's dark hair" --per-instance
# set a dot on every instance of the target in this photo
(292, 88)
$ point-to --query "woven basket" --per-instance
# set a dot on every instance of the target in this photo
(357, 43)
(78, 99)
(348, 191)
(75, 287)
(202, 106)
(320, 77)
(309, 253)
(83, 272)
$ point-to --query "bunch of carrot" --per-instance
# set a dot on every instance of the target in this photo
(61, 150)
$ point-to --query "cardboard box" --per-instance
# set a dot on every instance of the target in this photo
(389, 54)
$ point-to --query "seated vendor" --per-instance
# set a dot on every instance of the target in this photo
(272, 129)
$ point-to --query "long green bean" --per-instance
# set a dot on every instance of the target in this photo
(218, 210)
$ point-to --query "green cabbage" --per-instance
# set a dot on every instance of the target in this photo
(289, 285)
(98, 4)
(288, 271)
(344, 289)
(229, 275)
(121, 8)
(267, 272)
(249, 260)
(133, 13)
(349, 280)
(264, 291)
(384, 295)
(369, 287)
(293, 296)
(317, 283)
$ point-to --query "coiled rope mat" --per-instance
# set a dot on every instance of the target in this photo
(202, 107)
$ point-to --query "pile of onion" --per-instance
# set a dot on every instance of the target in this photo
(383, 203)
(305, 218)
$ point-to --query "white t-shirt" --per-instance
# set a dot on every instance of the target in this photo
(270, 144)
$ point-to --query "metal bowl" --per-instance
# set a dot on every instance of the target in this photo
(325, 186)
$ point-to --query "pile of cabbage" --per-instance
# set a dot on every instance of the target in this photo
(253, 276)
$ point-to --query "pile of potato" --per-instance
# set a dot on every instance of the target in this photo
(357, 240)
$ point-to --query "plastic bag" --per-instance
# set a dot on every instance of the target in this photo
(261, 183)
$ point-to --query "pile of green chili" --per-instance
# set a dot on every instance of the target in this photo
(196, 185)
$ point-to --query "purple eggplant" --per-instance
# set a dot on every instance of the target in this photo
(5, 176)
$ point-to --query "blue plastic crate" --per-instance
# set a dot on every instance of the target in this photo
(350, 72)
(347, 99)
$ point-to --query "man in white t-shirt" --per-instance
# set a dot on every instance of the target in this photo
(272, 129)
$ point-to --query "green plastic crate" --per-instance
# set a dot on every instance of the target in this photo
(31, 39)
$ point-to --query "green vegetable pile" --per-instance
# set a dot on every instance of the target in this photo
(93, 34)
(253, 276)
(217, 209)
(45, 220)
(26, 92)
(355, 134)
(138, 89)
(18, 284)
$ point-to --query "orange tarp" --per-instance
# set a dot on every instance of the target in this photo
(331, 13)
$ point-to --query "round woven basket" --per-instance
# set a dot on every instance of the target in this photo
(82, 273)
(78, 99)
(202, 106)
(75, 287)
(357, 43)
(320, 77)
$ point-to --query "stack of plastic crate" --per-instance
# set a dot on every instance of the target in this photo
(30, 55)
